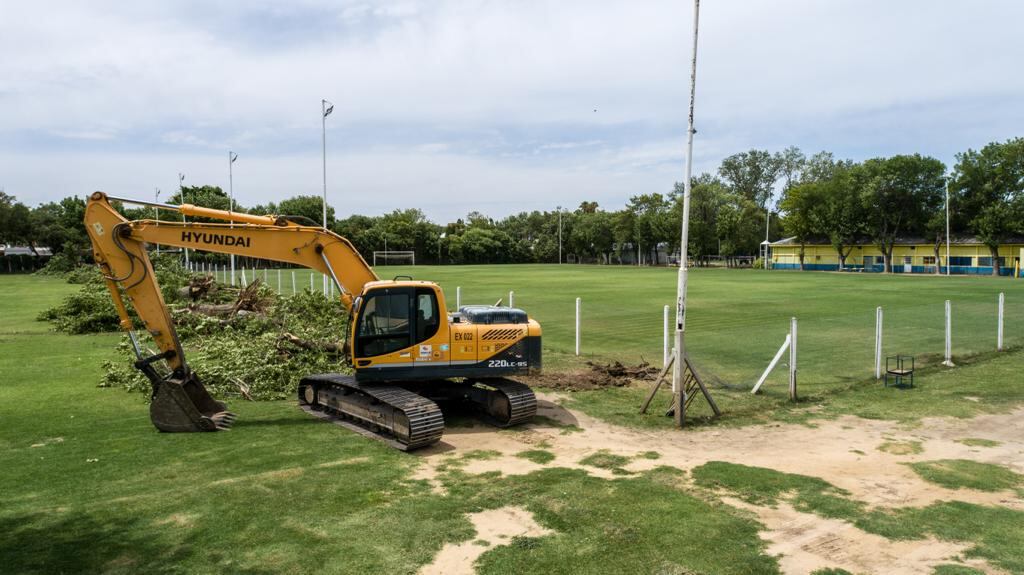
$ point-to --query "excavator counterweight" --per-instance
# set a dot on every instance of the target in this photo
(408, 352)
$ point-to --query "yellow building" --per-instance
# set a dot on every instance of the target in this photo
(967, 255)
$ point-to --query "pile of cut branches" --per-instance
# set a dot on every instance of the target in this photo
(250, 341)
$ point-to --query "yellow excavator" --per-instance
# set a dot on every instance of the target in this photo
(407, 351)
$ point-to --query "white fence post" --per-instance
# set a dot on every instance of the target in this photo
(664, 337)
(243, 277)
(949, 335)
(577, 326)
(999, 328)
(511, 299)
(792, 359)
(878, 342)
(278, 282)
(293, 282)
(458, 297)
(311, 274)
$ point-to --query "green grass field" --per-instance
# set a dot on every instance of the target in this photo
(737, 319)
(88, 486)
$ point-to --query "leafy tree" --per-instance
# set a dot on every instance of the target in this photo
(843, 218)
(15, 221)
(708, 195)
(308, 207)
(988, 186)
(752, 175)
(803, 205)
(900, 194)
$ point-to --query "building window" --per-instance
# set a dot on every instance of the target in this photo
(817, 258)
(960, 261)
(869, 260)
(984, 262)
(929, 260)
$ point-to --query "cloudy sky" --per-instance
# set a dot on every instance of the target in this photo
(497, 106)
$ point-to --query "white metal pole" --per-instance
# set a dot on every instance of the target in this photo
(949, 335)
(947, 228)
(511, 298)
(878, 342)
(664, 337)
(324, 112)
(243, 278)
(458, 297)
(577, 326)
(792, 359)
(278, 281)
(311, 281)
(677, 372)
(999, 328)
(560, 236)
(156, 210)
(293, 282)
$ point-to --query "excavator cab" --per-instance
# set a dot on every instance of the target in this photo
(397, 325)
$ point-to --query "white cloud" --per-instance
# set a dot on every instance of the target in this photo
(484, 86)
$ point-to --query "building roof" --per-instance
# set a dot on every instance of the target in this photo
(7, 250)
(961, 240)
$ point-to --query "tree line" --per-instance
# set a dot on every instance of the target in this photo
(752, 195)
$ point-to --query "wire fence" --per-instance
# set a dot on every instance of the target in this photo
(732, 339)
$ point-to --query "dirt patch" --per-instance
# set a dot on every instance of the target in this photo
(842, 451)
(493, 527)
(597, 376)
(807, 543)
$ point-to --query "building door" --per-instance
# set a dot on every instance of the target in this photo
(908, 264)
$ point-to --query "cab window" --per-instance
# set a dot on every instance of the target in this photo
(427, 320)
(384, 325)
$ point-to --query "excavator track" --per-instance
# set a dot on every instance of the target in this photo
(384, 412)
(504, 402)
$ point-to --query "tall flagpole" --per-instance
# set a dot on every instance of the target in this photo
(678, 387)
(325, 110)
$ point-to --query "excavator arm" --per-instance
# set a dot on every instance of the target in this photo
(180, 402)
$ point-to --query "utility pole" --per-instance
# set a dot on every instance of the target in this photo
(231, 194)
(325, 110)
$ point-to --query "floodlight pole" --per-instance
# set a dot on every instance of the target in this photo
(559, 234)
(181, 196)
(678, 387)
(231, 195)
(947, 228)
(324, 112)
(156, 210)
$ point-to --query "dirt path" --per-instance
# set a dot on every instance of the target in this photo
(493, 527)
(845, 452)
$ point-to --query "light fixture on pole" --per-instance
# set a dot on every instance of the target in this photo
(326, 108)
(231, 198)
(439, 242)
(181, 200)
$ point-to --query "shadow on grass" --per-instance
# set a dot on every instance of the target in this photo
(75, 542)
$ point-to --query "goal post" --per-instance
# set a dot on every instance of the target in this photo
(390, 258)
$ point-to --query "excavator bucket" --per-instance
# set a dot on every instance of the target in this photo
(183, 404)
